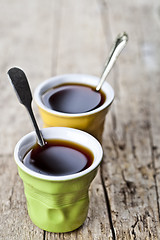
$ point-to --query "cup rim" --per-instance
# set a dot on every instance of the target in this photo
(70, 78)
(65, 133)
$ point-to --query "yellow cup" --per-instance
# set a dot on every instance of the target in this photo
(91, 122)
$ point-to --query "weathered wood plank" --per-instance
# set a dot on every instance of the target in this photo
(28, 32)
(152, 55)
(82, 50)
(129, 167)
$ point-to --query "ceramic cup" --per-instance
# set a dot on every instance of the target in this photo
(58, 203)
(91, 122)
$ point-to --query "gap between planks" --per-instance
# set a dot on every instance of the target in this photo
(108, 206)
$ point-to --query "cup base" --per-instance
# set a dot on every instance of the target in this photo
(63, 220)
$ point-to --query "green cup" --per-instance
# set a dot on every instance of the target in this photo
(58, 203)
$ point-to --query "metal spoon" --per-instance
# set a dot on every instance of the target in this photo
(120, 43)
(22, 89)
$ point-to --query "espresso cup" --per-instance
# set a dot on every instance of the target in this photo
(91, 121)
(58, 203)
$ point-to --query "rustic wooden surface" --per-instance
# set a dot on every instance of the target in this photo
(51, 37)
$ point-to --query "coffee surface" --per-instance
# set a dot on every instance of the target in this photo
(58, 158)
(73, 98)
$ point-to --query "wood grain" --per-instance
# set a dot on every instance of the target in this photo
(47, 38)
(130, 166)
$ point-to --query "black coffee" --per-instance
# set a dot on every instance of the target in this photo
(58, 158)
(73, 98)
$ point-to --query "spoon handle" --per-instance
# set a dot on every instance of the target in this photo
(120, 43)
(21, 86)
(41, 141)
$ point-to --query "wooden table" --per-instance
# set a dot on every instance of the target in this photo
(50, 37)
